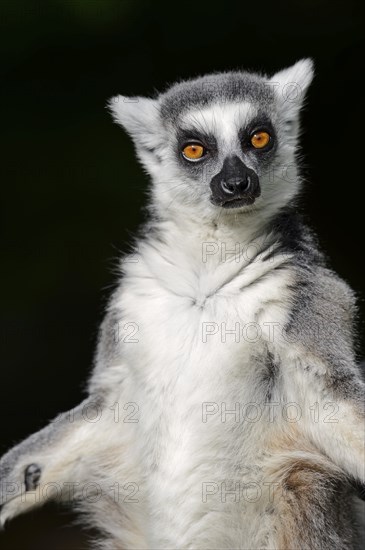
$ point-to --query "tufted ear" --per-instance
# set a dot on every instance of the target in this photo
(291, 85)
(140, 117)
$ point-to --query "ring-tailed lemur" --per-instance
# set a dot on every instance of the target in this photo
(225, 408)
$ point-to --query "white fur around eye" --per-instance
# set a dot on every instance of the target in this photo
(222, 121)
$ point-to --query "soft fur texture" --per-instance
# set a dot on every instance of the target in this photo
(225, 406)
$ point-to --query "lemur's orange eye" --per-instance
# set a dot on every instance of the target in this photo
(260, 139)
(193, 151)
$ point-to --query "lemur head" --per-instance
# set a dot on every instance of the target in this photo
(220, 144)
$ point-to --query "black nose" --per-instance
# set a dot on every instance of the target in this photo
(235, 185)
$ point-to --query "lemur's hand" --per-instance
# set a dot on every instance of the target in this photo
(16, 479)
(20, 473)
(33, 471)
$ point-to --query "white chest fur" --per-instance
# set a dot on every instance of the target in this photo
(201, 334)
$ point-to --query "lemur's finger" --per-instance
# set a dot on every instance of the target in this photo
(32, 477)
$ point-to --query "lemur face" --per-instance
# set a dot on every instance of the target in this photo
(223, 142)
(226, 147)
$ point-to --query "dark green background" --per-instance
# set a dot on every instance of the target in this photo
(72, 191)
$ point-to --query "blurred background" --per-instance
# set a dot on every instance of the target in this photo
(72, 191)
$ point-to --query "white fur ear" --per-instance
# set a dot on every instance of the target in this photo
(140, 117)
(291, 85)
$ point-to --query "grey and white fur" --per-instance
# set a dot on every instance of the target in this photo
(225, 406)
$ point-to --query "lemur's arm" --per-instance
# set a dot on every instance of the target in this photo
(328, 409)
(43, 465)
(320, 375)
